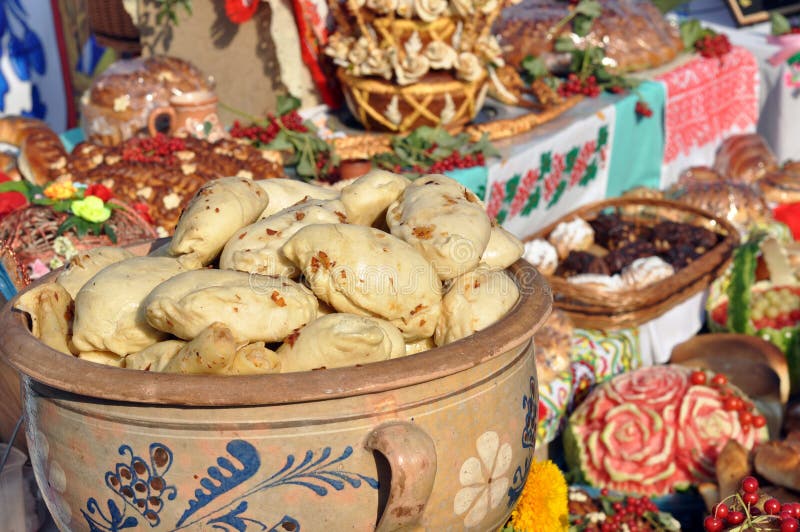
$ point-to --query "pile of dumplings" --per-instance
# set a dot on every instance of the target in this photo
(282, 276)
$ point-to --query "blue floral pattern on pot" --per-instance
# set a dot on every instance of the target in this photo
(530, 402)
(142, 489)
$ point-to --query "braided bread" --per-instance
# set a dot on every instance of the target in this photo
(41, 153)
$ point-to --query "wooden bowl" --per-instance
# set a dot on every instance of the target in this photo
(442, 439)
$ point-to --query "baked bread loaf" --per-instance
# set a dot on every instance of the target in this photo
(745, 158)
(699, 173)
(117, 105)
(41, 154)
(634, 34)
(739, 203)
(779, 462)
(780, 186)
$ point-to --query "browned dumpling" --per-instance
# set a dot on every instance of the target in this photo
(365, 271)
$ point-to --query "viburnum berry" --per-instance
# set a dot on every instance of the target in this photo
(772, 506)
(759, 421)
(642, 109)
(789, 525)
(720, 510)
(735, 518)
(698, 377)
(750, 498)
(713, 524)
(749, 484)
(719, 380)
(713, 45)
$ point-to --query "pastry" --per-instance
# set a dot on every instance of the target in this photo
(699, 173)
(791, 167)
(106, 358)
(668, 234)
(542, 254)
(283, 193)
(607, 283)
(779, 462)
(339, 340)
(474, 301)
(418, 346)
(732, 465)
(85, 265)
(364, 271)
(367, 198)
(781, 186)
(646, 271)
(574, 235)
(256, 248)
(219, 209)
(579, 262)
(680, 256)
(444, 221)
(736, 202)
(108, 310)
(254, 359)
(41, 153)
(745, 158)
(256, 308)
(503, 249)
(118, 104)
(612, 231)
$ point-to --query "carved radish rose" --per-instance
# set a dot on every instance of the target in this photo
(441, 56)
(652, 431)
(469, 67)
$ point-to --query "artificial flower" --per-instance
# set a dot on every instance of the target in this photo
(10, 201)
(469, 67)
(64, 247)
(60, 190)
(55, 263)
(143, 209)
(542, 507)
(92, 209)
(37, 269)
(101, 191)
(239, 11)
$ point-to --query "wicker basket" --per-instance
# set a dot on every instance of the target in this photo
(113, 26)
(375, 102)
(598, 309)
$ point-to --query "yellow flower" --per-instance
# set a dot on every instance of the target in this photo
(59, 191)
(91, 209)
(542, 507)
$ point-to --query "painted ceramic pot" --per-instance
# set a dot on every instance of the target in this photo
(441, 440)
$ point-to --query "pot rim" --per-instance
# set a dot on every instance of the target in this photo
(43, 364)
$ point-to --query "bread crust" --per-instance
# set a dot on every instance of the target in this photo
(41, 153)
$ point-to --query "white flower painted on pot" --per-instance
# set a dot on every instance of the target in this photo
(483, 479)
(53, 474)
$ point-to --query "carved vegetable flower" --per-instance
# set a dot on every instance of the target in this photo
(441, 56)
(383, 7)
(483, 480)
(463, 8)
(429, 10)
(60, 190)
(489, 49)
(92, 209)
(410, 69)
(469, 67)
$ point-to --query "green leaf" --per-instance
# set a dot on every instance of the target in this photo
(779, 24)
(589, 8)
(66, 225)
(22, 187)
(564, 44)
(280, 142)
(557, 194)
(306, 167)
(665, 6)
(582, 25)
(109, 231)
(534, 67)
(287, 103)
(533, 202)
(591, 173)
(62, 205)
(602, 137)
(511, 186)
(572, 156)
(692, 31)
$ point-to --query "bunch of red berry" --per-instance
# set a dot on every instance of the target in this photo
(631, 513)
(731, 402)
(642, 109)
(747, 512)
(713, 45)
(159, 149)
(575, 85)
(267, 133)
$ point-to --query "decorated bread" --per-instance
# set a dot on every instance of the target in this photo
(745, 158)
(192, 301)
(474, 301)
(444, 221)
(283, 193)
(737, 202)
(338, 340)
(41, 153)
(108, 310)
(85, 265)
(362, 270)
(367, 198)
(656, 430)
(780, 186)
(219, 209)
(256, 248)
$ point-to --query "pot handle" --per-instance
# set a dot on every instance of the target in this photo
(157, 113)
(411, 454)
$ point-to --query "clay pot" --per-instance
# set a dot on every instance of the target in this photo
(192, 113)
(441, 439)
(354, 168)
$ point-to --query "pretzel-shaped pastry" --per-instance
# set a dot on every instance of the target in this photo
(41, 153)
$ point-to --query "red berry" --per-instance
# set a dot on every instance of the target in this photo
(735, 518)
(719, 380)
(712, 524)
(745, 418)
(772, 507)
(750, 498)
(698, 377)
(721, 510)
(604, 492)
(759, 421)
(789, 525)
(749, 484)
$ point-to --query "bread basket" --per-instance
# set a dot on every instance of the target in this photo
(599, 309)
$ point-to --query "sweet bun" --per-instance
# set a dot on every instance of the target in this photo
(739, 203)
(367, 198)
(542, 254)
(339, 340)
(745, 158)
(283, 193)
(646, 271)
(474, 301)
(219, 209)
(444, 221)
(364, 271)
(256, 308)
(85, 265)
(574, 235)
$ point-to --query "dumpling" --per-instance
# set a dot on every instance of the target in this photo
(85, 265)
(105, 358)
(419, 346)
(284, 193)
(154, 357)
(365, 271)
(108, 313)
(254, 359)
(220, 208)
(256, 248)
(367, 198)
(474, 301)
(339, 340)
(50, 308)
(211, 352)
(503, 250)
(256, 308)
(444, 221)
